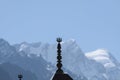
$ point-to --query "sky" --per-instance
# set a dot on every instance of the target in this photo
(93, 24)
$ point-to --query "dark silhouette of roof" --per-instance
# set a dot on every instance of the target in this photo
(60, 75)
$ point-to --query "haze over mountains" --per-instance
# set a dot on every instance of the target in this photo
(36, 61)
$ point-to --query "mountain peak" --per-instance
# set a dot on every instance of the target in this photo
(71, 41)
(2, 42)
(98, 52)
(102, 56)
(92, 65)
(1, 39)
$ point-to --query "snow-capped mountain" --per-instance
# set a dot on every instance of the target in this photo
(40, 58)
(30, 62)
(104, 57)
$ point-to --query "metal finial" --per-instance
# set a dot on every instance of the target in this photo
(59, 57)
(20, 76)
(60, 75)
(59, 39)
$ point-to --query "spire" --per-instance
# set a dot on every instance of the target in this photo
(60, 75)
(20, 76)
(59, 57)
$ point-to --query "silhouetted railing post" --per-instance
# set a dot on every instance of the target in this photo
(20, 76)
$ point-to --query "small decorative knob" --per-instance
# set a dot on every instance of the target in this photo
(59, 39)
(20, 76)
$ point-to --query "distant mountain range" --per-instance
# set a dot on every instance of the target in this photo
(36, 61)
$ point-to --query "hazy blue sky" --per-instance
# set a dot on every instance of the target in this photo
(92, 23)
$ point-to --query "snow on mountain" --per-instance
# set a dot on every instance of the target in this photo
(96, 65)
(102, 56)
(34, 64)
(73, 58)
(32, 48)
(29, 61)
(70, 51)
